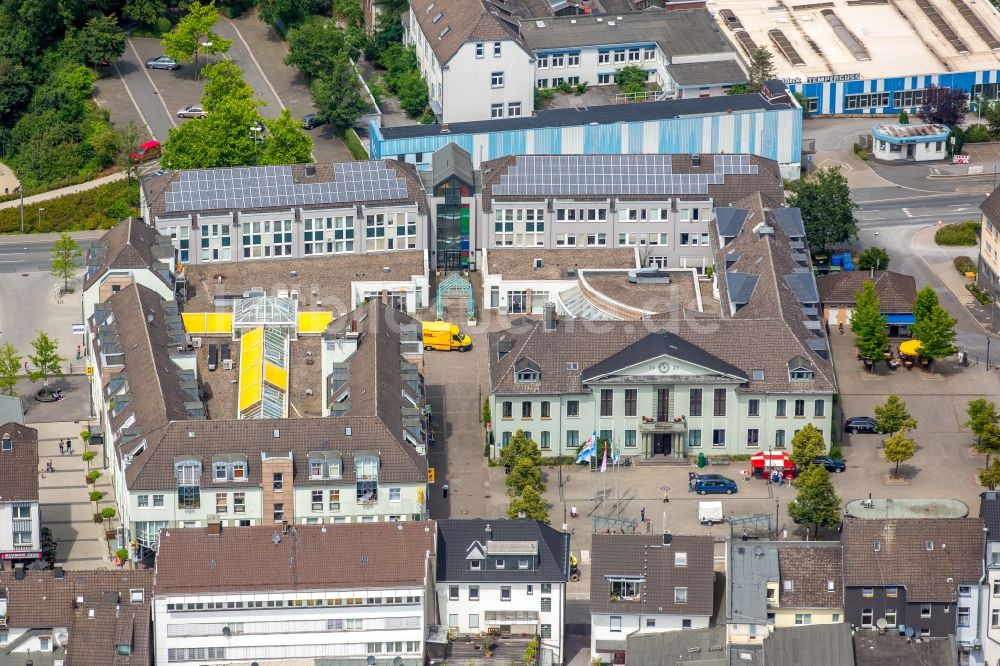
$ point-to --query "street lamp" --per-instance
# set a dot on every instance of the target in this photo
(39, 223)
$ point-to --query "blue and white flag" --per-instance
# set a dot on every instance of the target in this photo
(589, 449)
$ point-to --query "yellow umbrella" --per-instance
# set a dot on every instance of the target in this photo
(910, 347)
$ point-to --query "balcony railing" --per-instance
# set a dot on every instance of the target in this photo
(672, 424)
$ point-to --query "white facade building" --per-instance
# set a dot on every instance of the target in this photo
(504, 576)
(236, 595)
(913, 143)
(20, 531)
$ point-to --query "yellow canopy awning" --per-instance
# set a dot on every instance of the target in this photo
(910, 347)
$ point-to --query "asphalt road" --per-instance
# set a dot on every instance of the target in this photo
(29, 255)
(879, 211)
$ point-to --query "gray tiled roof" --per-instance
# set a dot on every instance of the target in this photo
(645, 555)
(460, 21)
(811, 567)
(890, 649)
(655, 345)
(247, 559)
(751, 566)
(129, 244)
(180, 193)
(989, 511)
(703, 647)
(457, 536)
(931, 557)
(713, 72)
(896, 291)
(97, 630)
(19, 466)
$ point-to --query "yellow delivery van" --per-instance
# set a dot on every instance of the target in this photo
(445, 336)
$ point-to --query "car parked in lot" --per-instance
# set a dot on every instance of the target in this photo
(192, 112)
(312, 121)
(860, 424)
(714, 484)
(162, 62)
(146, 151)
(835, 465)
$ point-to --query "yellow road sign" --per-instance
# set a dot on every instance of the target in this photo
(90, 369)
(431, 473)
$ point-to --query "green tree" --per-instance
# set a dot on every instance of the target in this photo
(531, 504)
(989, 443)
(222, 139)
(873, 258)
(283, 14)
(936, 333)
(388, 31)
(738, 89)
(892, 417)
(66, 254)
(88, 457)
(816, 502)
(15, 91)
(520, 447)
(807, 444)
(101, 41)
(285, 142)
(827, 208)
(224, 83)
(898, 448)
(525, 473)
(761, 69)
(412, 92)
(991, 113)
(924, 303)
(982, 413)
(46, 360)
(315, 46)
(990, 477)
(868, 324)
(146, 12)
(193, 35)
(10, 368)
(904, 118)
(337, 95)
(631, 79)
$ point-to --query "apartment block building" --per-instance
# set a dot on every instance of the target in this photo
(20, 529)
(173, 466)
(746, 378)
(504, 576)
(645, 584)
(988, 273)
(294, 594)
(77, 618)
(482, 60)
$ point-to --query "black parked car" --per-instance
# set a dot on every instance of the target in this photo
(835, 465)
(312, 121)
(856, 424)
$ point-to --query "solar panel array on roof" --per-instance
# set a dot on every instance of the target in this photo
(786, 47)
(977, 24)
(743, 37)
(613, 174)
(943, 26)
(273, 186)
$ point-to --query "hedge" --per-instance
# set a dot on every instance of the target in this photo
(353, 143)
(964, 265)
(98, 208)
(962, 233)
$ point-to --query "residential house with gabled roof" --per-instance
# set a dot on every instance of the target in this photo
(745, 379)
(75, 618)
(505, 577)
(896, 293)
(323, 594)
(20, 530)
(647, 583)
(774, 584)
(175, 467)
(920, 574)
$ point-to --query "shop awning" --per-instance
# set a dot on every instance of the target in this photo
(910, 347)
(778, 459)
(900, 319)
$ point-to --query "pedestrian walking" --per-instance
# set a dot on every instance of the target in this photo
(444, 489)
(49, 467)
(572, 511)
(642, 514)
(62, 447)
(25, 367)
(69, 446)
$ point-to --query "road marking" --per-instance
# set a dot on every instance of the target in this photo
(128, 92)
(12, 261)
(145, 70)
(906, 211)
(256, 64)
(11, 254)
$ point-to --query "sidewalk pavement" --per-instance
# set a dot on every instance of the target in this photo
(64, 497)
(72, 189)
(7, 178)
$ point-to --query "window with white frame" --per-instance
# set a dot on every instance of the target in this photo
(513, 109)
(565, 240)
(406, 233)
(680, 595)
(496, 49)
(649, 54)
(496, 80)
(604, 79)
(542, 62)
(597, 239)
(480, 48)
(395, 494)
(376, 225)
(573, 60)
(343, 235)
(496, 110)
(603, 58)
(334, 502)
(558, 60)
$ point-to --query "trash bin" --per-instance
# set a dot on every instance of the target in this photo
(701, 459)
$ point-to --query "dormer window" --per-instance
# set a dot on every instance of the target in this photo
(188, 472)
(527, 377)
(324, 465)
(7, 444)
(476, 565)
(123, 649)
(800, 370)
(229, 468)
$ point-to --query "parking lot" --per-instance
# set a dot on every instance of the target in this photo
(151, 98)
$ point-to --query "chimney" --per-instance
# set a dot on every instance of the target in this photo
(696, 160)
(19, 573)
(58, 573)
(310, 170)
(215, 527)
(549, 314)
(489, 532)
(667, 538)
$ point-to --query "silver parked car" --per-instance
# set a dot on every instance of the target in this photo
(162, 62)
(192, 112)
